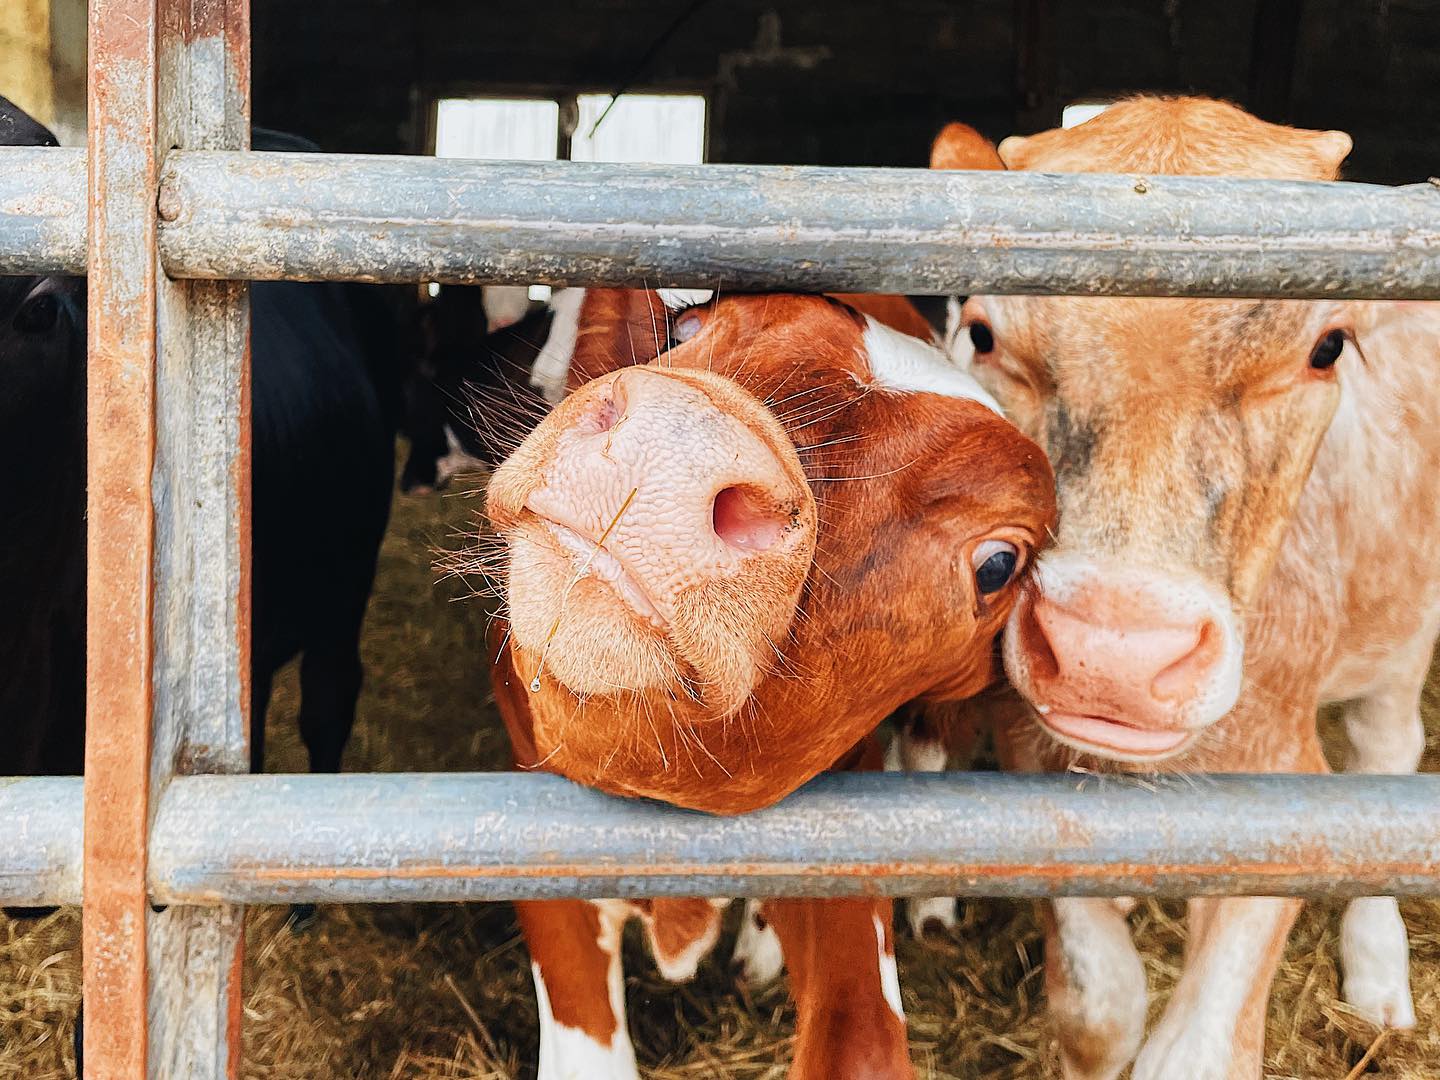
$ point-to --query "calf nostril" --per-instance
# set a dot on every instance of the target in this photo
(1034, 641)
(608, 409)
(742, 521)
(1180, 680)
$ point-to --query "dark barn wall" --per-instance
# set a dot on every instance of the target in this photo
(861, 82)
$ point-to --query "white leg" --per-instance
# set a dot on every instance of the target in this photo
(1375, 956)
(757, 958)
(681, 933)
(1214, 1026)
(912, 751)
(575, 950)
(1095, 985)
(1386, 735)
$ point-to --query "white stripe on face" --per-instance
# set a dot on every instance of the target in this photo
(901, 362)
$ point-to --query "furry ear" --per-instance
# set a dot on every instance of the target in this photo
(1333, 147)
(959, 146)
(1012, 149)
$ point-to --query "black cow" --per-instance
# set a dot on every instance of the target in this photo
(325, 408)
(468, 400)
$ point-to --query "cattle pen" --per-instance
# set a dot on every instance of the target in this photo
(168, 213)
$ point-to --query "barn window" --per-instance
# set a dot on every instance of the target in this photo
(666, 129)
(663, 129)
(498, 129)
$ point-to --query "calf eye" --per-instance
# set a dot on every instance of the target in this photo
(982, 337)
(1327, 350)
(37, 315)
(994, 562)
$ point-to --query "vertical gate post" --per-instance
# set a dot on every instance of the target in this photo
(169, 531)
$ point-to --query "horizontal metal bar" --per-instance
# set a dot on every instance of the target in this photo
(40, 832)
(498, 836)
(759, 227)
(227, 214)
(42, 211)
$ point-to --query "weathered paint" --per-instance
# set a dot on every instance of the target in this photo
(42, 210)
(803, 228)
(123, 170)
(40, 845)
(344, 217)
(354, 839)
(202, 571)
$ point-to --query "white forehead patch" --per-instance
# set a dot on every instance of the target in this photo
(551, 370)
(901, 362)
(680, 299)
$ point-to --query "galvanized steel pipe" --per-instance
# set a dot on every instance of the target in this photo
(345, 217)
(803, 228)
(42, 210)
(40, 831)
(272, 839)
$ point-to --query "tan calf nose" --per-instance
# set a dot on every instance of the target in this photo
(1127, 664)
(672, 483)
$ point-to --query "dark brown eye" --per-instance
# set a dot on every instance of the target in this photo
(1327, 350)
(982, 337)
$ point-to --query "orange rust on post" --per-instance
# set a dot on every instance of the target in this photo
(120, 401)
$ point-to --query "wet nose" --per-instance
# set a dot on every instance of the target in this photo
(678, 486)
(1134, 662)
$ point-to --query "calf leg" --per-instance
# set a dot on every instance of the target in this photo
(1386, 735)
(849, 1021)
(919, 746)
(330, 678)
(1094, 986)
(1214, 1025)
(580, 989)
(757, 957)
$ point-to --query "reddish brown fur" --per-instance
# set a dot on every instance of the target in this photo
(870, 605)
(919, 449)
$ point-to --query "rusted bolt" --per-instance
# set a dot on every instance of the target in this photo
(1141, 186)
(168, 204)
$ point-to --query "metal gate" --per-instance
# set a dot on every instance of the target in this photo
(166, 213)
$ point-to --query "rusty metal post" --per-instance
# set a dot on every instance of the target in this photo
(120, 407)
(168, 548)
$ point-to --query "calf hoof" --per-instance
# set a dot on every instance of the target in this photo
(931, 917)
(302, 917)
(1375, 956)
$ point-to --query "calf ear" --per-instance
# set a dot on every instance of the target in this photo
(1332, 147)
(959, 146)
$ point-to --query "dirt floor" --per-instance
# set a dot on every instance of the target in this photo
(410, 991)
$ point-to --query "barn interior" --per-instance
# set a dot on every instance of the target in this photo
(411, 991)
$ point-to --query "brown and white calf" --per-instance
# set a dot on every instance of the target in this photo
(1249, 526)
(724, 568)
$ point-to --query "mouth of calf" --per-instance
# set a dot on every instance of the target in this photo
(1111, 736)
(590, 559)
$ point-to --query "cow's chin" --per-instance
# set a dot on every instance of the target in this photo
(599, 636)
